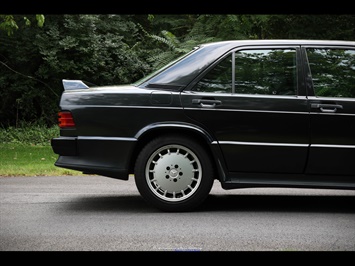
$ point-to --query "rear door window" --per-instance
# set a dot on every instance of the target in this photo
(333, 72)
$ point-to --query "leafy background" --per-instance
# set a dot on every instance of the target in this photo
(38, 51)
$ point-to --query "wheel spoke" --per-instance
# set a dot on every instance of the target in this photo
(173, 173)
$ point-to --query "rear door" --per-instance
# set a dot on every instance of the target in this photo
(253, 101)
(331, 87)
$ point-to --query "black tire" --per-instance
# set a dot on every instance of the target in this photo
(174, 173)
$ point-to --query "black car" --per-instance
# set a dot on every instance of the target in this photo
(251, 113)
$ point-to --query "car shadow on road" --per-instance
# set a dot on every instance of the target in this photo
(220, 202)
(112, 203)
(280, 203)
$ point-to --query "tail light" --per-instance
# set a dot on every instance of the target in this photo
(65, 119)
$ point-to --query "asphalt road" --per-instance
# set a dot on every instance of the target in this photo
(95, 213)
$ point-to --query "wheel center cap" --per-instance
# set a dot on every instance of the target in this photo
(173, 173)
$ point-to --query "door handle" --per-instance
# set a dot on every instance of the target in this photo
(206, 102)
(327, 108)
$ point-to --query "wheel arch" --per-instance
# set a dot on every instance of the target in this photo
(192, 131)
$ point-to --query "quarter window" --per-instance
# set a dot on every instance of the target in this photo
(218, 80)
(333, 72)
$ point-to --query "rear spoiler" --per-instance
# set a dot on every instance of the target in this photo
(74, 84)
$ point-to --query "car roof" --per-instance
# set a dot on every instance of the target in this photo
(281, 42)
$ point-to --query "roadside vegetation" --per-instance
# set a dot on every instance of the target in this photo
(26, 151)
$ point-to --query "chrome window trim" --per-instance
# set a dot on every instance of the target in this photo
(130, 107)
(284, 144)
(260, 143)
(332, 146)
(338, 114)
(320, 98)
(247, 111)
(105, 138)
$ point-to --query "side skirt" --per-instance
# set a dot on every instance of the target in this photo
(250, 180)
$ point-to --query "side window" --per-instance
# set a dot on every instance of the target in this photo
(333, 72)
(269, 71)
(218, 80)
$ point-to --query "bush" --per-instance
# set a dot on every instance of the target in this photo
(29, 134)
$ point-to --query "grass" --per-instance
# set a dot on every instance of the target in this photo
(26, 151)
(30, 160)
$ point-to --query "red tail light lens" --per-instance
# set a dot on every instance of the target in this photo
(65, 119)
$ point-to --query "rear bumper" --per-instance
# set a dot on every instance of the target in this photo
(95, 155)
(65, 146)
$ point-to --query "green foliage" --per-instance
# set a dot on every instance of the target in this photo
(329, 27)
(118, 49)
(95, 48)
(28, 134)
(9, 24)
(174, 48)
(40, 20)
(229, 27)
